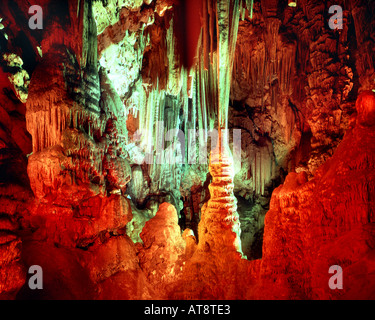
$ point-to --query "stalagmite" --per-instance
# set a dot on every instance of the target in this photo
(219, 229)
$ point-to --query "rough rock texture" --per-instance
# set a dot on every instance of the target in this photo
(77, 169)
(219, 228)
(163, 247)
(107, 270)
(15, 192)
(311, 225)
(88, 100)
(294, 87)
(209, 271)
(326, 221)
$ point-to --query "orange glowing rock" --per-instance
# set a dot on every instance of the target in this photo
(219, 227)
(366, 108)
(163, 246)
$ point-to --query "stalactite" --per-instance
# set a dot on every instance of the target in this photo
(250, 66)
(286, 61)
(227, 22)
(272, 29)
(250, 7)
(209, 88)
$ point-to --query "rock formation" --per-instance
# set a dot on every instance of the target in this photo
(324, 221)
(114, 176)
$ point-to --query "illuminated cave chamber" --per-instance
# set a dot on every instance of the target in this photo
(114, 181)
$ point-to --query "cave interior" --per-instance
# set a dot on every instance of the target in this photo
(187, 149)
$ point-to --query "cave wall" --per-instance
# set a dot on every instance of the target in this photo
(73, 96)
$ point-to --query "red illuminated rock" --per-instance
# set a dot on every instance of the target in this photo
(326, 221)
(79, 226)
(77, 170)
(163, 247)
(108, 269)
(12, 272)
(366, 108)
(13, 195)
(64, 154)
